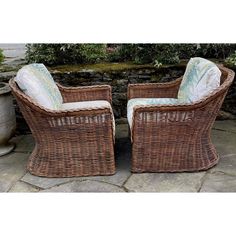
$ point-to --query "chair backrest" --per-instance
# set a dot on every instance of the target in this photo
(201, 77)
(35, 81)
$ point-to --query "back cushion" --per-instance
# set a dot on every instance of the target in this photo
(201, 77)
(36, 82)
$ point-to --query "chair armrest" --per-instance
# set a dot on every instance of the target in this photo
(74, 119)
(161, 116)
(43, 119)
(154, 90)
(198, 116)
(86, 93)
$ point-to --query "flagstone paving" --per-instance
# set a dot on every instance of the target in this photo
(221, 178)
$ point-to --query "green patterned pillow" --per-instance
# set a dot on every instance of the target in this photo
(200, 78)
(36, 82)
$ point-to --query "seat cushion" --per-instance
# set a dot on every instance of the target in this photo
(36, 82)
(201, 77)
(132, 103)
(89, 105)
(85, 105)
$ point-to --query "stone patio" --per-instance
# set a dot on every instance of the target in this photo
(222, 178)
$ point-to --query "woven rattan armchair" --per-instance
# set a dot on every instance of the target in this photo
(70, 143)
(174, 138)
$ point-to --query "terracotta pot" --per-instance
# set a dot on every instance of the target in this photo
(7, 119)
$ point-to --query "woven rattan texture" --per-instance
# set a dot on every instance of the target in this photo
(73, 142)
(175, 138)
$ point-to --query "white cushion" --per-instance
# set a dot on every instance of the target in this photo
(201, 77)
(36, 82)
(85, 105)
(89, 105)
(132, 103)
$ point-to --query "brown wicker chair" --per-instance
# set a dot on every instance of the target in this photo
(174, 138)
(70, 143)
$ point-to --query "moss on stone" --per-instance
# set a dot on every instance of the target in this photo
(99, 67)
(8, 68)
(107, 67)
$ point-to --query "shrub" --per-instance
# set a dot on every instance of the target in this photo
(145, 53)
(158, 54)
(169, 53)
(166, 54)
(1, 56)
(231, 60)
(219, 51)
(121, 52)
(55, 54)
(186, 51)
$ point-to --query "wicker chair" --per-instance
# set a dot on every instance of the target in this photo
(174, 138)
(70, 143)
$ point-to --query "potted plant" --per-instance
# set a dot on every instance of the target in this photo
(7, 119)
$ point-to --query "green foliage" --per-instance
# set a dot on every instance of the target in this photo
(231, 60)
(170, 53)
(57, 54)
(122, 52)
(219, 51)
(92, 52)
(186, 51)
(146, 53)
(157, 54)
(1, 56)
(166, 54)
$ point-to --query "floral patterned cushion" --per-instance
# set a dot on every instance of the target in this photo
(147, 101)
(89, 105)
(201, 77)
(36, 82)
